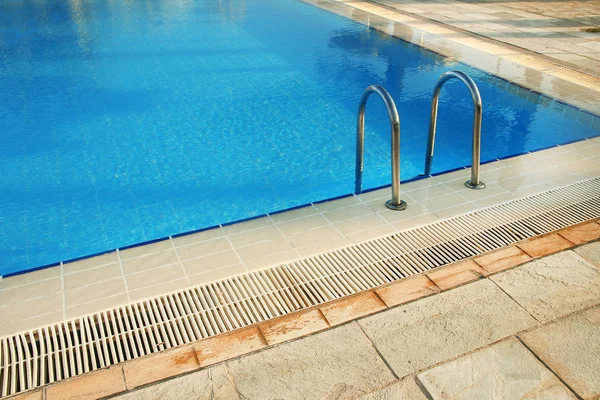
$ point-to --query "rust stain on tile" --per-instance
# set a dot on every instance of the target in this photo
(94, 385)
(33, 395)
(502, 259)
(545, 245)
(160, 366)
(582, 233)
(353, 307)
(230, 345)
(293, 326)
(407, 290)
(453, 275)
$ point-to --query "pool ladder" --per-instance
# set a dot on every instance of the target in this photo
(396, 203)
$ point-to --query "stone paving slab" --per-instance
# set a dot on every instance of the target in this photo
(553, 286)
(195, 386)
(432, 330)
(571, 347)
(405, 389)
(337, 364)
(590, 252)
(506, 370)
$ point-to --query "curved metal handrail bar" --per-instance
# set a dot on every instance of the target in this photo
(474, 182)
(395, 203)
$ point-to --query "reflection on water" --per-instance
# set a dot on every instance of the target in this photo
(128, 120)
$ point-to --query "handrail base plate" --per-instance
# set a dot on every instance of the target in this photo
(399, 207)
(479, 186)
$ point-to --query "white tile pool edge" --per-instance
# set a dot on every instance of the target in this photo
(69, 290)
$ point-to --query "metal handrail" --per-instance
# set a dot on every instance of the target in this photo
(474, 182)
(395, 203)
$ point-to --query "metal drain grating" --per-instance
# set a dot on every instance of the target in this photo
(74, 347)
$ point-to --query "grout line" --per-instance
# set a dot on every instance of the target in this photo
(509, 296)
(64, 294)
(185, 274)
(539, 359)
(123, 275)
(236, 253)
(387, 364)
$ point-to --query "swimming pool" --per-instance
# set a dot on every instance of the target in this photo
(127, 121)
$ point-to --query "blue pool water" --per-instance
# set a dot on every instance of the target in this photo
(126, 121)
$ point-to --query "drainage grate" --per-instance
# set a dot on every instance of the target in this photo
(77, 346)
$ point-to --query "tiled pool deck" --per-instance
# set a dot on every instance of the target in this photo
(557, 30)
(522, 322)
(53, 294)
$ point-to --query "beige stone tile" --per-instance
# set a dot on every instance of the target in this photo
(151, 261)
(30, 277)
(321, 247)
(431, 192)
(247, 225)
(335, 204)
(27, 292)
(516, 184)
(444, 202)
(196, 386)
(93, 262)
(303, 224)
(93, 385)
(498, 174)
(581, 234)
(255, 236)
(359, 224)
(451, 276)
(346, 213)
(506, 370)
(263, 249)
(213, 261)
(272, 259)
(375, 195)
(437, 328)
(570, 347)
(160, 366)
(369, 234)
(94, 292)
(545, 245)
(457, 210)
(496, 199)
(198, 237)
(97, 305)
(31, 323)
(414, 222)
(153, 277)
(339, 363)
(292, 326)
(286, 216)
(423, 183)
(32, 308)
(553, 286)
(405, 389)
(353, 307)
(224, 347)
(216, 274)
(90, 276)
(479, 195)
(590, 252)
(158, 289)
(502, 259)
(203, 249)
(32, 395)
(145, 249)
(406, 290)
